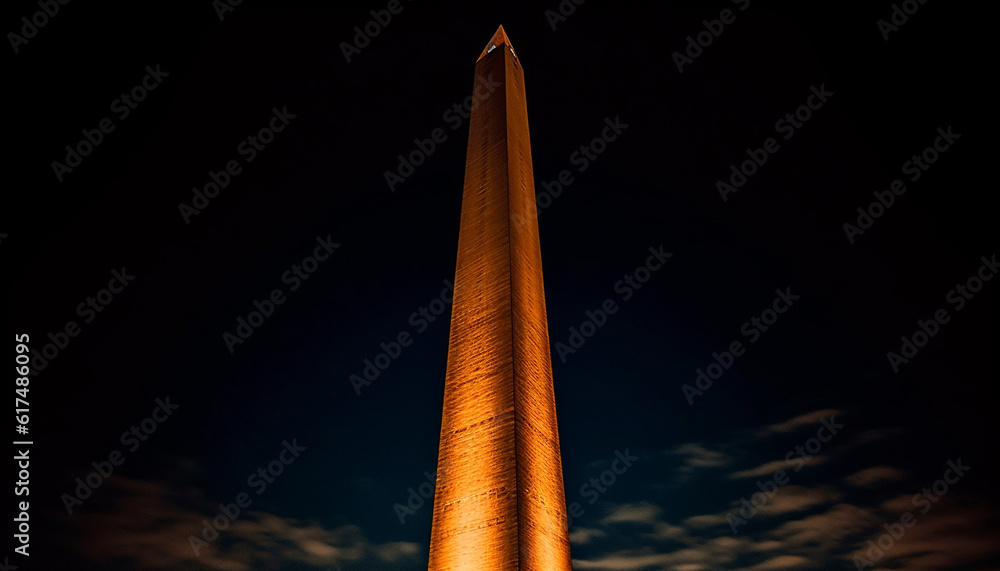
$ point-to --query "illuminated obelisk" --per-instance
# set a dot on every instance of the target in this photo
(499, 502)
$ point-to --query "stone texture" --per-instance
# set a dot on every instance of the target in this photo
(500, 502)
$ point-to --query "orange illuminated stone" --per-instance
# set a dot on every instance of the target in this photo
(500, 502)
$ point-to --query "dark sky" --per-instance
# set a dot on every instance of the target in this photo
(321, 179)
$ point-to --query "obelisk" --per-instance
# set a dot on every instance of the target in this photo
(499, 502)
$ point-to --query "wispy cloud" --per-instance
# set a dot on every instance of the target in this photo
(811, 524)
(583, 536)
(696, 455)
(782, 562)
(792, 424)
(148, 525)
(794, 499)
(870, 477)
(703, 522)
(952, 535)
(635, 513)
(768, 469)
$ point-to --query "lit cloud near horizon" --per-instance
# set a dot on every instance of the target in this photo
(809, 523)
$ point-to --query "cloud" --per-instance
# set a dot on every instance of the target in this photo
(701, 522)
(706, 555)
(782, 562)
(697, 456)
(583, 536)
(871, 477)
(951, 534)
(627, 561)
(790, 425)
(823, 532)
(816, 420)
(647, 559)
(812, 524)
(767, 470)
(147, 525)
(635, 513)
(870, 436)
(664, 531)
(793, 499)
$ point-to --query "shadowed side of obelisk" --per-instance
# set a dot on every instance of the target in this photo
(543, 534)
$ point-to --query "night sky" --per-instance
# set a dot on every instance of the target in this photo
(846, 375)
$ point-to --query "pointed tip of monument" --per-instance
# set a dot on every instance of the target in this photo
(499, 39)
